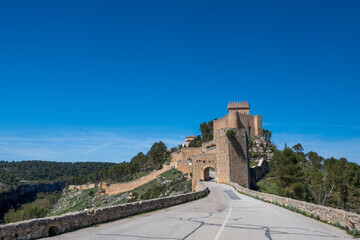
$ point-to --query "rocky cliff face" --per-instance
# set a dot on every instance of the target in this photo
(24, 194)
(260, 148)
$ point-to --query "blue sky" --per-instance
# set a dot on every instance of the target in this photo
(103, 80)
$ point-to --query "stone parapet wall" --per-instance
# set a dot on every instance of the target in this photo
(328, 214)
(44, 227)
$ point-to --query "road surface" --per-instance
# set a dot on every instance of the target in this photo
(224, 214)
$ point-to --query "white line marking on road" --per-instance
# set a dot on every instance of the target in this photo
(222, 227)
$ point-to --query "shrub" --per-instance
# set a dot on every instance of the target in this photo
(230, 133)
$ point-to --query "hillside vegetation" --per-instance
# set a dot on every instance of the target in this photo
(310, 177)
(139, 166)
(13, 174)
(172, 182)
(37, 209)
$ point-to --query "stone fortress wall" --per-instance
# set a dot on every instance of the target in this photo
(233, 157)
(208, 146)
(116, 188)
(328, 214)
(45, 227)
(185, 153)
(184, 166)
(83, 186)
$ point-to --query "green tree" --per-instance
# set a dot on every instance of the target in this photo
(196, 142)
(158, 154)
(267, 134)
(315, 175)
(206, 130)
(298, 148)
(288, 173)
(140, 161)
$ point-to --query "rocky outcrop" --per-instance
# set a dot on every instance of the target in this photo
(260, 148)
(24, 194)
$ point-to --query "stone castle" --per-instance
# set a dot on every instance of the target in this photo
(228, 156)
(227, 153)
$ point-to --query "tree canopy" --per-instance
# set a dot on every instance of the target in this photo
(310, 177)
(140, 165)
(206, 135)
(13, 174)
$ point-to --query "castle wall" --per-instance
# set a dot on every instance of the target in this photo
(116, 188)
(188, 152)
(232, 157)
(207, 145)
(258, 126)
(184, 166)
(222, 156)
(82, 187)
(252, 124)
(185, 153)
(219, 123)
(175, 157)
(233, 120)
(248, 123)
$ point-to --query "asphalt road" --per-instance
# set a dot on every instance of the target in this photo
(224, 214)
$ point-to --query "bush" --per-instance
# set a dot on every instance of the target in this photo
(230, 133)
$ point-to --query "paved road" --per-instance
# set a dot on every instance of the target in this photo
(224, 214)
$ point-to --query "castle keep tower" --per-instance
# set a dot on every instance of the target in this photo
(238, 117)
(240, 107)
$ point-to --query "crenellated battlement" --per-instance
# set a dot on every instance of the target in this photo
(242, 107)
(246, 114)
(239, 117)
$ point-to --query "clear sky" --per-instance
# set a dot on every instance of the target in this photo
(102, 80)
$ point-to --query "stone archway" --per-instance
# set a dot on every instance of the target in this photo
(201, 164)
(207, 176)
